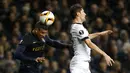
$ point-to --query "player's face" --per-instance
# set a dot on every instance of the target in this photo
(42, 32)
(82, 15)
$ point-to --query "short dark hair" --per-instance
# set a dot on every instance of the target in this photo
(74, 9)
(41, 25)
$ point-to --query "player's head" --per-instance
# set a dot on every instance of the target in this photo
(77, 11)
(41, 29)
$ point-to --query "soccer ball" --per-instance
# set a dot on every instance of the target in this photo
(47, 17)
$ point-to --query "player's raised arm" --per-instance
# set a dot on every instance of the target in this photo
(90, 44)
(56, 43)
(94, 35)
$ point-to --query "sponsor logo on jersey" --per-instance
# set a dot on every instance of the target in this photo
(38, 48)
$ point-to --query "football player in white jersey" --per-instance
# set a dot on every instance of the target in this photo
(82, 43)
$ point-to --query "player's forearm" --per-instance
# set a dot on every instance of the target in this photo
(94, 35)
(19, 54)
(22, 57)
(96, 48)
(56, 44)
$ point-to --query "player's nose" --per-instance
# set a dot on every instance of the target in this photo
(85, 15)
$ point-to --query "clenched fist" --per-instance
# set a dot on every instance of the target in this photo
(40, 59)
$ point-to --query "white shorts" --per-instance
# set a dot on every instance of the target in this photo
(79, 66)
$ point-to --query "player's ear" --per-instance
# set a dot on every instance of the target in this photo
(78, 13)
(36, 29)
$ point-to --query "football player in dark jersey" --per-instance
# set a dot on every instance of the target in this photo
(31, 48)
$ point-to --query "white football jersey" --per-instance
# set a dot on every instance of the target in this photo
(78, 34)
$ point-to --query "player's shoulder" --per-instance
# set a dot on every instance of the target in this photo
(77, 27)
(27, 39)
(27, 36)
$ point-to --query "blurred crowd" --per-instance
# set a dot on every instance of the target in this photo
(18, 17)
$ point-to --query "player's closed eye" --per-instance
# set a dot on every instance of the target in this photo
(43, 31)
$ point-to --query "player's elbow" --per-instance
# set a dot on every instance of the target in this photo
(16, 55)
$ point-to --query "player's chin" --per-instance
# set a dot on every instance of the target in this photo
(84, 20)
(42, 34)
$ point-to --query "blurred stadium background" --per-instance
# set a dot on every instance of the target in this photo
(18, 17)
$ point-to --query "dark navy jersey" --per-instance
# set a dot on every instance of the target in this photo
(31, 47)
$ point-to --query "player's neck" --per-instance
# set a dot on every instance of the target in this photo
(77, 20)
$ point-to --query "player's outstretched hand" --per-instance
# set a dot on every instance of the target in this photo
(108, 60)
(106, 32)
(40, 59)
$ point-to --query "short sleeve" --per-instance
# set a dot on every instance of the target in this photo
(82, 33)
